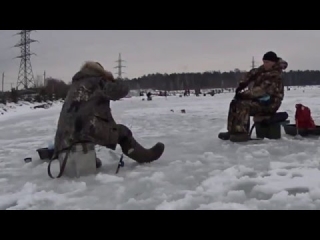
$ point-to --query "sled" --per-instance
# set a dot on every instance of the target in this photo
(291, 130)
(76, 162)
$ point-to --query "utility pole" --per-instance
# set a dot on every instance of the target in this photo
(25, 75)
(2, 81)
(120, 66)
(44, 78)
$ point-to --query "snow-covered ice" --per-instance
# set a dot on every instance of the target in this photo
(197, 170)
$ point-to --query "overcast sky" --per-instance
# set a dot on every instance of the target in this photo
(61, 52)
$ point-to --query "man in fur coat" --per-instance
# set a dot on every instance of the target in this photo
(86, 116)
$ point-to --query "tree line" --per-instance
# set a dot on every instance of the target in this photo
(214, 79)
(53, 90)
(58, 89)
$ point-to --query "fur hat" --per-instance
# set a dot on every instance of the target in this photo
(96, 68)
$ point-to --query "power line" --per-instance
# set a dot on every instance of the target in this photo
(253, 63)
(25, 75)
(2, 82)
(120, 66)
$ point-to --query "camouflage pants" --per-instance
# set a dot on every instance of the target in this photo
(240, 112)
(106, 134)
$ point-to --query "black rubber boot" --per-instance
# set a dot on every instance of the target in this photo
(132, 149)
(135, 151)
(224, 135)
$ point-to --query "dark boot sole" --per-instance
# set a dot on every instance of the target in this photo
(239, 138)
(224, 136)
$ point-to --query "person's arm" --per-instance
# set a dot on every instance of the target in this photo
(247, 79)
(270, 86)
(116, 89)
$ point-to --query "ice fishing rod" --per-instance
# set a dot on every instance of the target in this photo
(121, 162)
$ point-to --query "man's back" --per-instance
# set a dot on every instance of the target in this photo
(87, 102)
(270, 81)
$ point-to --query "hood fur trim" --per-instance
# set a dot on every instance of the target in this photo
(283, 64)
(97, 69)
(92, 69)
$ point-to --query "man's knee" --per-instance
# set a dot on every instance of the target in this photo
(124, 132)
(123, 135)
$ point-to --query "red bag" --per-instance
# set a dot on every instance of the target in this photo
(303, 117)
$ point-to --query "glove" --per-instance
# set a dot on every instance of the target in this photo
(108, 76)
(265, 98)
(238, 96)
(241, 86)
